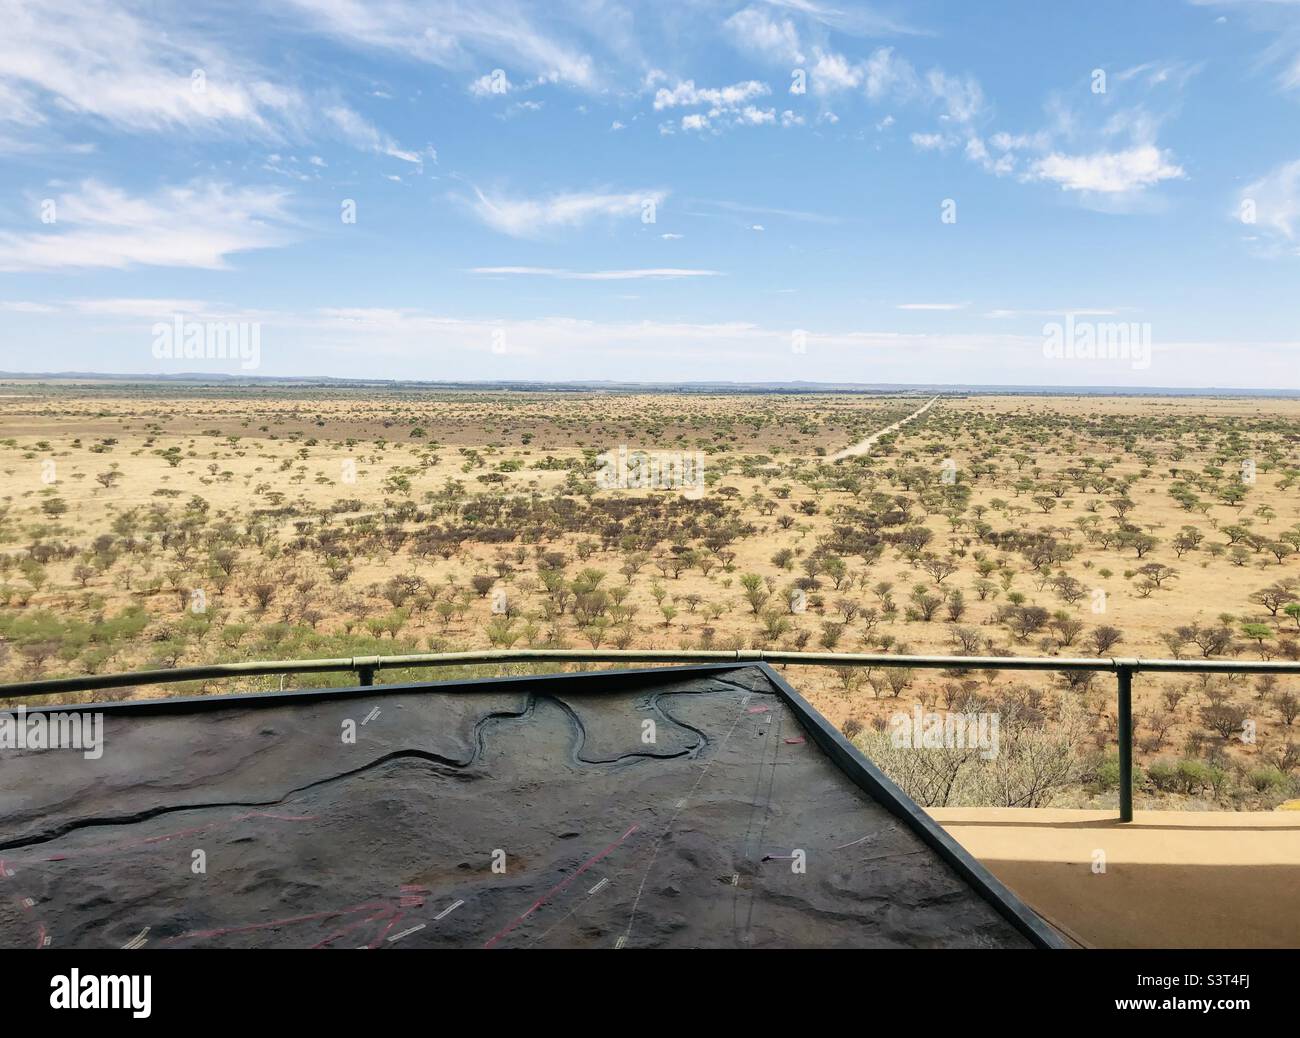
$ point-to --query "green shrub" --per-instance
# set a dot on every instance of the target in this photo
(1194, 775)
(1267, 780)
(1163, 775)
(1107, 774)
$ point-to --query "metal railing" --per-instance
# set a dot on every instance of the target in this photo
(366, 667)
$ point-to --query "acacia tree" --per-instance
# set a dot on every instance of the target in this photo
(1210, 640)
(1275, 596)
(1105, 637)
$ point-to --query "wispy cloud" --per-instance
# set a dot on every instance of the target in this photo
(1281, 18)
(643, 273)
(198, 225)
(856, 19)
(755, 31)
(526, 217)
(361, 134)
(100, 61)
(932, 141)
(1107, 155)
(802, 215)
(491, 84)
(1271, 204)
(456, 34)
(1058, 312)
(18, 306)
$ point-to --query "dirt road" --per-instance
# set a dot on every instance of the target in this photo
(864, 446)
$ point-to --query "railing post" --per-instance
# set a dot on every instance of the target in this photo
(366, 675)
(1125, 675)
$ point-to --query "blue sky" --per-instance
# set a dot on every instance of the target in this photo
(599, 190)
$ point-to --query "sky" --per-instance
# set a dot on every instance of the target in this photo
(1070, 194)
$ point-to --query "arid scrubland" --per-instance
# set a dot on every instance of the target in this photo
(164, 525)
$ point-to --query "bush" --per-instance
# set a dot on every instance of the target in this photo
(1163, 775)
(1194, 775)
(1267, 780)
(1107, 774)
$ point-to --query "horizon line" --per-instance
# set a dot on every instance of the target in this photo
(804, 385)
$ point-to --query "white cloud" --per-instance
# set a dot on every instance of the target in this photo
(20, 307)
(1059, 311)
(198, 225)
(522, 106)
(361, 134)
(856, 19)
(771, 38)
(1276, 201)
(1162, 73)
(454, 34)
(962, 99)
(885, 75)
(833, 73)
(416, 343)
(751, 116)
(728, 106)
(977, 151)
(686, 94)
(1019, 142)
(572, 342)
(99, 60)
(801, 215)
(525, 217)
(1107, 153)
(18, 106)
(1103, 172)
(138, 307)
(931, 141)
(491, 84)
(646, 273)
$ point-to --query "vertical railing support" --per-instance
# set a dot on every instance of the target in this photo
(365, 675)
(1125, 675)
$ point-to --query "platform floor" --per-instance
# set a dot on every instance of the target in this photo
(1177, 879)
